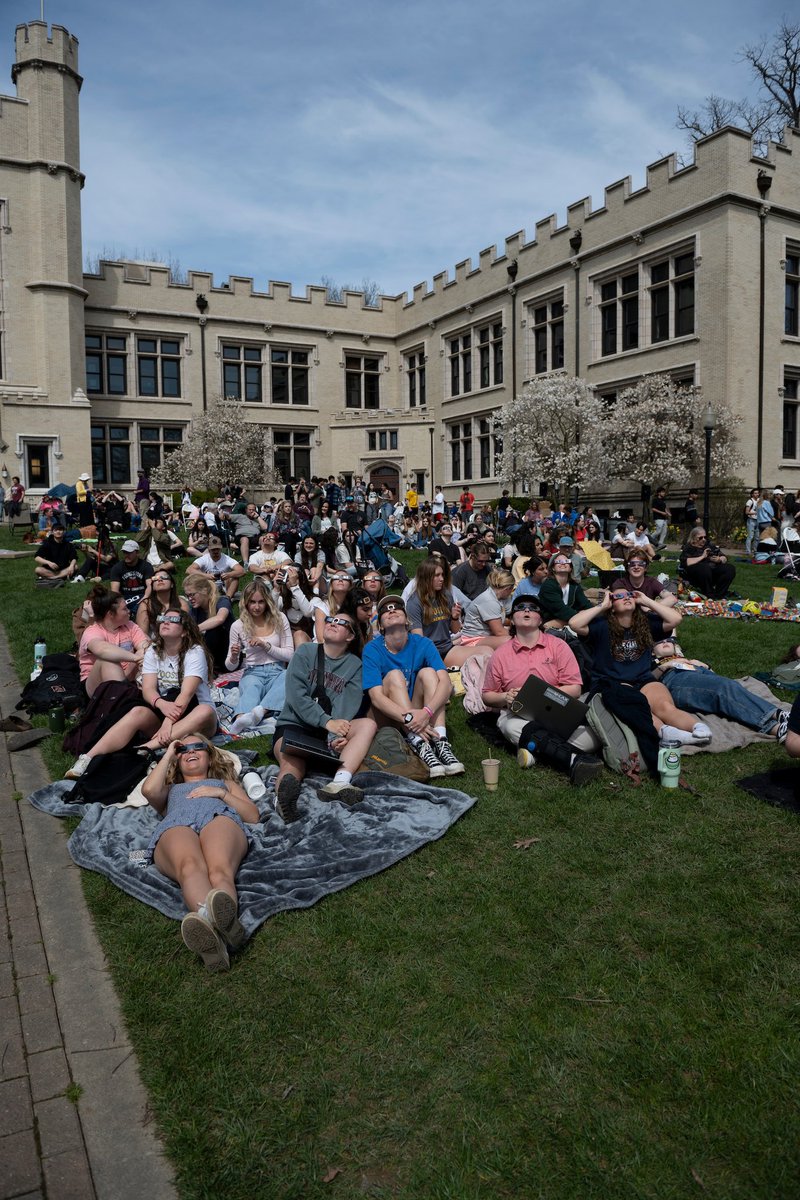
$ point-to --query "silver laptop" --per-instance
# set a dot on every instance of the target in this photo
(549, 706)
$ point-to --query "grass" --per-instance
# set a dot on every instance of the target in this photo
(610, 1012)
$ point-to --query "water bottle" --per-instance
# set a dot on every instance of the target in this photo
(39, 651)
(669, 764)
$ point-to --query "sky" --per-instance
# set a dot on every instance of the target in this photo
(357, 139)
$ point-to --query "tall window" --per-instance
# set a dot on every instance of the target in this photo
(241, 373)
(790, 323)
(490, 354)
(461, 450)
(672, 297)
(382, 439)
(461, 364)
(159, 366)
(111, 454)
(106, 364)
(415, 373)
(790, 404)
(292, 452)
(156, 442)
(486, 443)
(289, 375)
(619, 314)
(361, 381)
(476, 354)
(548, 336)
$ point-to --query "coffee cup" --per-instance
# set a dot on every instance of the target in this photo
(491, 773)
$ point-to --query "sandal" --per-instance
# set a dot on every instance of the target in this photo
(14, 724)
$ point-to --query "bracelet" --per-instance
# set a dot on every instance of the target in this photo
(429, 711)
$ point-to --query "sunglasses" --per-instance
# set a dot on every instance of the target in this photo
(366, 603)
(387, 608)
(188, 747)
(341, 579)
(534, 608)
(637, 562)
(622, 595)
(562, 562)
(339, 621)
(170, 620)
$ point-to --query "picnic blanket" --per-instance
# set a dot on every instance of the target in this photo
(289, 866)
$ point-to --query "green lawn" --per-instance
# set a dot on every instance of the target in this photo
(609, 1012)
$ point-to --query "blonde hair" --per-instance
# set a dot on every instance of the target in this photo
(207, 587)
(219, 764)
(500, 578)
(271, 615)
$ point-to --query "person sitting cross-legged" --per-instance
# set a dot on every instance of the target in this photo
(408, 686)
(56, 557)
(328, 709)
(528, 652)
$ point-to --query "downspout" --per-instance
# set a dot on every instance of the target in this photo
(512, 270)
(764, 183)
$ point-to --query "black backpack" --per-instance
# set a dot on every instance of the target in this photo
(58, 682)
(109, 778)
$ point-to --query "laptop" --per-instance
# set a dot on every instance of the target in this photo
(307, 744)
(548, 706)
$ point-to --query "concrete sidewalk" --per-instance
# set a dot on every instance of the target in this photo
(61, 1028)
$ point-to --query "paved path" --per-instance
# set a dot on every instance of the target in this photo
(61, 1029)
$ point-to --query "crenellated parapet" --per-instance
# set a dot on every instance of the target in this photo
(36, 45)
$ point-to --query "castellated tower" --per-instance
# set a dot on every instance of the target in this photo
(42, 369)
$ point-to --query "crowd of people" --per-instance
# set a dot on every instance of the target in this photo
(291, 599)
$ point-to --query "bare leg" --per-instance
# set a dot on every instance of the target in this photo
(459, 654)
(289, 764)
(663, 709)
(224, 846)
(202, 719)
(362, 731)
(101, 672)
(179, 856)
(138, 720)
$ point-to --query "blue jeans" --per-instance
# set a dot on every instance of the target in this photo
(703, 691)
(263, 685)
(752, 536)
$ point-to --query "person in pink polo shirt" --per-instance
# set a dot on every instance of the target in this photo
(531, 652)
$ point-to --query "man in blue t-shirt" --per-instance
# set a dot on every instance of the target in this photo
(409, 687)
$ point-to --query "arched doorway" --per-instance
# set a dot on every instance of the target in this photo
(385, 475)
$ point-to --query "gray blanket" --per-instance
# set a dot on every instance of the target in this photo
(730, 735)
(289, 866)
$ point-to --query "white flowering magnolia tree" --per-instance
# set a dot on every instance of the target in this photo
(553, 432)
(221, 445)
(654, 434)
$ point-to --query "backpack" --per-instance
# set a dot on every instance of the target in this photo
(619, 747)
(389, 751)
(111, 701)
(58, 682)
(109, 778)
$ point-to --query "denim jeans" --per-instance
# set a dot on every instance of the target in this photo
(703, 691)
(752, 536)
(263, 685)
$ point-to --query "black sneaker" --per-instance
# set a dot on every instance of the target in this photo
(286, 798)
(444, 752)
(424, 751)
(782, 728)
(585, 768)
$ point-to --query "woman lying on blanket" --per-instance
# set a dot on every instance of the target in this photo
(694, 686)
(621, 631)
(263, 636)
(175, 690)
(201, 841)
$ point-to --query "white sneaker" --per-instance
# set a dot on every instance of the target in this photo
(79, 767)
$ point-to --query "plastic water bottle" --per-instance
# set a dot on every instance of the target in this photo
(39, 651)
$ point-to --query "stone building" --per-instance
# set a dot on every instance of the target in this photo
(696, 273)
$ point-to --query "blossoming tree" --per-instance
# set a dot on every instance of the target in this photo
(221, 446)
(552, 432)
(654, 434)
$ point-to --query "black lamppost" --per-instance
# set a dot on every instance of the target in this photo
(708, 428)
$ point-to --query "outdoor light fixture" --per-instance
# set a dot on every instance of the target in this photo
(709, 423)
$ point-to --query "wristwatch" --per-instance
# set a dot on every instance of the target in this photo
(408, 718)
